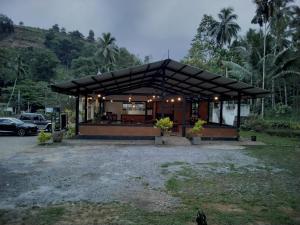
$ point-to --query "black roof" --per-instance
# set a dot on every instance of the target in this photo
(167, 75)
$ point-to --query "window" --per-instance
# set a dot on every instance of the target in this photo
(195, 109)
(25, 117)
(138, 106)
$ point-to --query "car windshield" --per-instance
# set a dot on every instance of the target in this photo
(17, 121)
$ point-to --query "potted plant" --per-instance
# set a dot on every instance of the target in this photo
(165, 124)
(196, 131)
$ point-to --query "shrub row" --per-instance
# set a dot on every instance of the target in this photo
(258, 124)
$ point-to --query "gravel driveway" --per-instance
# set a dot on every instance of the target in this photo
(32, 175)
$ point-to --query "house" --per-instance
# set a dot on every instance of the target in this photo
(126, 103)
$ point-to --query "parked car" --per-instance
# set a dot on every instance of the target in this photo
(37, 119)
(16, 126)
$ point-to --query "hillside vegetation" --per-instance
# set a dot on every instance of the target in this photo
(33, 58)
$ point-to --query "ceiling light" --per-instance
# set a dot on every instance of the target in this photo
(99, 95)
(179, 99)
(216, 98)
(103, 97)
(172, 100)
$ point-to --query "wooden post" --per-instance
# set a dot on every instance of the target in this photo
(221, 113)
(183, 116)
(208, 104)
(77, 115)
(238, 122)
(85, 107)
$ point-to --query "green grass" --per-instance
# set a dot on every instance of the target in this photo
(168, 164)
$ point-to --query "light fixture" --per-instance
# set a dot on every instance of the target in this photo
(153, 96)
(133, 106)
(179, 99)
(150, 100)
(99, 96)
(216, 98)
(103, 97)
(167, 100)
(172, 100)
(111, 100)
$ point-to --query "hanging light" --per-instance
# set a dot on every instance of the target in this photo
(150, 100)
(111, 101)
(172, 100)
(99, 96)
(167, 100)
(216, 98)
(153, 96)
(179, 99)
(103, 97)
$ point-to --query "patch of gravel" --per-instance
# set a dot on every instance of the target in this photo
(106, 173)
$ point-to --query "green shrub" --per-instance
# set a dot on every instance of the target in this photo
(198, 126)
(165, 124)
(44, 137)
(254, 123)
(70, 132)
(283, 132)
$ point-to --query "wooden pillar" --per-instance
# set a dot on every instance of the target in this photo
(183, 116)
(221, 113)
(208, 106)
(77, 115)
(238, 122)
(85, 107)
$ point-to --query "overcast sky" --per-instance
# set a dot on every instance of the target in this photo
(144, 27)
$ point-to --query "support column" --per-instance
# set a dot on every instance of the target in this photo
(208, 106)
(238, 122)
(183, 116)
(77, 115)
(85, 107)
(221, 113)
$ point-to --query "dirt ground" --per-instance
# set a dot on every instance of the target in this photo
(32, 175)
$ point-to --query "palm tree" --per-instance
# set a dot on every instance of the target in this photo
(277, 66)
(108, 49)
(224, 30)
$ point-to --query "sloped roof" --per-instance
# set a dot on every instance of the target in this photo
(167, 75)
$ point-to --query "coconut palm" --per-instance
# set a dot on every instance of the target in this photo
(226, 28)
(277, 66)
(108, 49)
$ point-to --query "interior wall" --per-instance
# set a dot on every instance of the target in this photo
(114, 107)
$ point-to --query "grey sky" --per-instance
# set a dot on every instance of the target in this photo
(145, 27)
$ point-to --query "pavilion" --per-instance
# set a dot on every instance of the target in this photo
(128, 101)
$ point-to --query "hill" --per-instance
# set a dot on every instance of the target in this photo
(33, 57)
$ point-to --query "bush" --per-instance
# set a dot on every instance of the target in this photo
(44, 137)
(70, 132)
(284, 132)
(165, 124)
(254, 123)
(198, 126)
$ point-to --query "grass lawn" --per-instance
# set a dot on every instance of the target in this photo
(268, 193)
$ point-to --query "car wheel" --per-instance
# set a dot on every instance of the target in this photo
(21, 132)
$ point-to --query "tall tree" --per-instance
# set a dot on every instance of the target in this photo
(108, 49)
(264, 12)
(6, 24)
(91, 36)
(226, 28)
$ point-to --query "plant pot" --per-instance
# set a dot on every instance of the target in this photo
(196, 140)
(57, 136)
(159, 140)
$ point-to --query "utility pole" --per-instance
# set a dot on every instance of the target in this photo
(19, 97)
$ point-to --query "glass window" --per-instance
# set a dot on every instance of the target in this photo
(195, 109)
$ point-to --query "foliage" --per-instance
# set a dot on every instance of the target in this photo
(6, 24)
(44, 137)
(165, 124)
(224, 30)
(281, 109)
(70, 133)
(198, 126)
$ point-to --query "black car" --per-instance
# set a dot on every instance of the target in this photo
(37, 119)
(16, 126)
